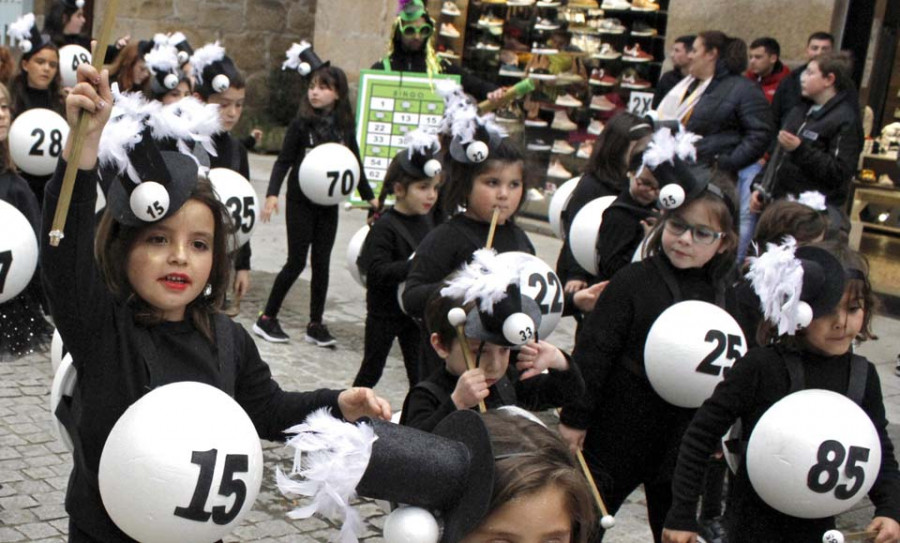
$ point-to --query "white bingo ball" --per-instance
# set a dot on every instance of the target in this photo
(477, 151)
(240, 198)
(411, 525)
(304, 68)
(584, 230)
(57, 350)
(689, 348)
(813, 454)
(353, 250)
(518, 328)
(183, 463)
(36, 139)
(804, 315)
(538, 281)
(671, 196)
(329, 174)
(456, 316)
(432, 167)
(833, 536)
(558, 203)
(64, 379)
(220, 83)
(70, 56)
(18, 252)
(149, 201)
(607, 522)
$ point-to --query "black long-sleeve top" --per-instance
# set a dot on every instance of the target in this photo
(755, 383)
(232, 155)
(385, 259)
(620, 234)
(115, 368)
(15, 191)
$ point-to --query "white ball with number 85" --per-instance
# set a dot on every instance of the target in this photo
(538, 281)
(329, 174)
(689, 348)
(36, 140)
(239, 197)
(813, 454)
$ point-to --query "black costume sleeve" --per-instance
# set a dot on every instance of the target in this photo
(832, 169)
(885, 493)
(365, 190)
(757, 127)
(378, 256)
(290, 149)
(19, 195)
(248, 142)
(433, 261)
(615, 244)
(550, 390)
(424, 411)
(471, 83)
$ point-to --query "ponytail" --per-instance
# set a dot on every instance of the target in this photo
(732, 51)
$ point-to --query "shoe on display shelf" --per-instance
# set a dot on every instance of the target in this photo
(602, 103)
(511, 70)
(644, 5)
(538, 48)
(270, 330)
(317, 334)
(546, 24)
(613, 5)
(535, 122)
(562, 122)
(451, 9)
(610, 26)
(562, 147)
(541, 74)
(635, 54)
(567, 100)
(538, 145)
(487, 46)
(631, 80)
(449, 31)
(601, 78)
(558, 171)
(519, 2)
(585, 150)
(548, 3)
(448, 53)
(607, 52)
(568, 78)
(583, 4)
(489, 21)
(596, 127)
(641, 28)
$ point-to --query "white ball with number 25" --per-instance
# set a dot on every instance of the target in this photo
(538, 281)
(239, 197)
(329, 174)
(36, 139)
(813, 454)
(688, 350)
(183, 463)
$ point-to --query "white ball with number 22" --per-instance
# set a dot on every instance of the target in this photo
(329, 174)
(538, 281)
(70, 56)
(813, 454)
(36, 140)
(183, 463)
(18, 252)
(239, 197)
(688, 350)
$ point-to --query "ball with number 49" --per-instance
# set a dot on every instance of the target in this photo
(689, 348)
(539, 282)
(813, 454)
(70, 56)
(329, 174)
(36, 140)
(239, 197)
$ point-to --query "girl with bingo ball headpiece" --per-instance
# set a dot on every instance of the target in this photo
(811, 410)
(137, 302)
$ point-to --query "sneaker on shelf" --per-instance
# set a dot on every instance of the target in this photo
(487, 20)
(535, 122)
(601, 78)
(644, 5)
(631, 80)
(451, 9)
(509, 114)
(538, 144)
(447, 53)
(269, 329)
(596, 127)
(562, 122)
(548, 3)
(610, 26)
(568, 78)
(538, 48)
(607, 52)
(641, 28)
(602, 103)
(541, 74)
(562, 147)
(449, 31)
(635, 54)
(317, 334)
(512, 44)
(487, 46)
(546, 24)
(511, 70)
(585, 149)
(519, 2)
(613, 5)
(558, 171)
(567, 100)
(583, 4)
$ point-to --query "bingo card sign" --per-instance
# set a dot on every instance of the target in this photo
(391, 104)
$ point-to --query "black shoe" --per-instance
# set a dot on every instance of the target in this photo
(317, 333)
(712, 531)
(269, 329)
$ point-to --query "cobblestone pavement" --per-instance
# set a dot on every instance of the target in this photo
(34, 467)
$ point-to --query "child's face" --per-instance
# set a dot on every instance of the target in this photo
(417, 198)
(231, 105)
(494, 358)
(541, 517)
(682, 231)
(4, 116)
(321, 96)
(41, 68)
(644, 188)
(139, 72)
(832, 334)
(499, 186)
(182, 90)
(169, 263)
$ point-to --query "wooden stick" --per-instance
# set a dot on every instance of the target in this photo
(494, 218)
(521, 88)
(836, 536)
(606, 519)
(65, 194)
(457, 318)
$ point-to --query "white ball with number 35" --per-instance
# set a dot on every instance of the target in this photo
(70, 56)
(329, 174)
(18, 252)
(183, 463)
(813, 454)
(239, 197)
(538, 281)
(36, 140)
(688, 350)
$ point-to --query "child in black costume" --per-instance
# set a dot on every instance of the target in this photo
(836, 291)
(154, 288)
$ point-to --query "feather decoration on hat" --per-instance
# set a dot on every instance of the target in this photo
(332, 457)
(661, 149)
(21, 29)
(684, 144)
(810, 198)
(132, 104)
(484, 279)
(176, 38)
(201, 120)
(119, 136)
(777, 278)
(421, 141)
(162, 58)
(203, 57)
(293, 55)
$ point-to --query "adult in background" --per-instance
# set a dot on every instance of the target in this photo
(788, 94)
(766, 68)
(680, 64)
(64, 24)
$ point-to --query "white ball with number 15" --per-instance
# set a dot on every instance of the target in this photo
(538, 281)
(239, 197)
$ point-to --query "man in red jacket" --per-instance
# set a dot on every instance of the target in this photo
(765, 65)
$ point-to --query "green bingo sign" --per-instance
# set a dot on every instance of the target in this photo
(391, 104)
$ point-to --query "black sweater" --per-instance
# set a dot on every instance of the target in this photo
(620, 234)
(115, 368)
(756, 382)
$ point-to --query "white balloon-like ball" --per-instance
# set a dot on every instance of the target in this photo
(671, 196)
(70, 57)
(432, 167)
(411, 525)
(25, 46)
(183, 57)
(18, 252)
(456, 316)
(304, 68)
(170, 81)
(149, 201)
(833, 536)
(607, 522)
(804, 315)
(220, 83)
(477, 151)
(518, 328)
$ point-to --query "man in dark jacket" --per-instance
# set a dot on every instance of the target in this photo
(766, 68)
(788, 94)
(680, 64)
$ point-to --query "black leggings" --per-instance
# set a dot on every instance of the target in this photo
(380, 334)
(308, 225)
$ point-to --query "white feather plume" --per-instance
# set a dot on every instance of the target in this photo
(293, 55)
(661, 149)
(118, 138)
(200, 121)
(810, 198)
(332, 457)
(133, 104)
(777, 278)
(176, 38)
(21, 28)
(160, 39)
(162, 58)
(484, 279)
(684, 144)
(203, 57)
(421, 141)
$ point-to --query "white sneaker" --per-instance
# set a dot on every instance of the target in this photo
(596, 127)
(542, 49)
(613, 5)
(537, 122)
(451, 9)
(585, 150)
(519, 2)
(548, 3)
(567, 100)
(562, 147)
(449, 31)
(545, 24)
(562, 122)
(538, 145)
(607, 52)
(557, 170)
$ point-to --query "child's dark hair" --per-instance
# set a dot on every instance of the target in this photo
(6, 163)
(335, 79)
(785, 218)
(732, 51)
(436, 322)
(459, 177)
(57, 19)
(610, 159)
(112, 247)
(528, 458)
(396, 175)
(18, 87)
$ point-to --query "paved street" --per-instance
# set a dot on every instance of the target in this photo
(34, 467)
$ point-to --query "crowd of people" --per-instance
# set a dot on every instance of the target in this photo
(742, 174)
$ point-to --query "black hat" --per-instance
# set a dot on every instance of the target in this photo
(823, 279)
(302, 58)
(214, 71)
(420, 158)
(162, 61)
(180, 42)
(73, 5)
(26, 33)
(473, 137)
(489, 326)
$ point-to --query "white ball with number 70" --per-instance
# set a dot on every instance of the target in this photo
(183, 463)
(239, 197)
(689, 348)
(329, 174)
(813, 454)
(538, 281)
(36, 140)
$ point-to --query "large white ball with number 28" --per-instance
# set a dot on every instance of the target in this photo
(813, 454)
(329, 174)
(538, 281)
(183, 463)
(689, 348)
(36, 139)
(18, 252)
(239, 197)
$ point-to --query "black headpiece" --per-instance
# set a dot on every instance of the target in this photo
(214, 71)
(29, 39)
(302, 58)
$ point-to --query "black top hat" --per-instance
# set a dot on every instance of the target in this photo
(491, 327)
(214, 71)
(29, 38)
(823, 279)
(420, 158)
(73, 5)
(302, 58)
(180, 42)
(162, 60)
